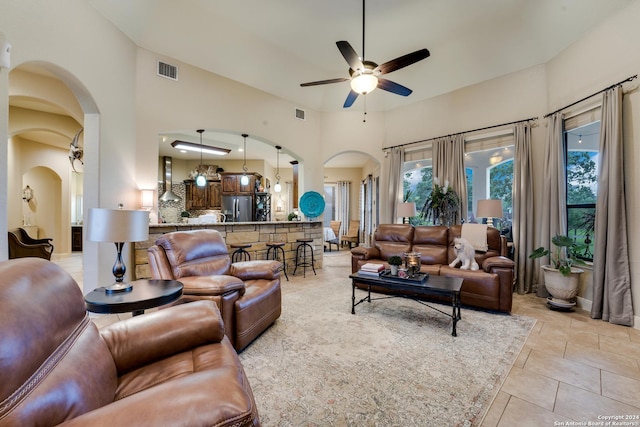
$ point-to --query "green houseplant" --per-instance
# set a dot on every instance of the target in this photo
(561, 277)
(394, 261)
(441, 206)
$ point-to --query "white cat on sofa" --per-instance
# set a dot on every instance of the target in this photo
(465, 253)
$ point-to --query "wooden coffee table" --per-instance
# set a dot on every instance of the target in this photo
(145, 294)
(412, 289)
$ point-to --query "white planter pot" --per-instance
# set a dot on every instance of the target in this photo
(394, 270)
(563, 289)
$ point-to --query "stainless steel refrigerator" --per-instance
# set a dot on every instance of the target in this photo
(238, 208)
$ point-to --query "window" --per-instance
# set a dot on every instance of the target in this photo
(418, 182)
(581, 145)
(330, 204)
(489, 163)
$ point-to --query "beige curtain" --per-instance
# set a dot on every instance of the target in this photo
(343, 195)
(553, 211)
(396, 178)
(523, 235)
(448, 165)
(611, 274)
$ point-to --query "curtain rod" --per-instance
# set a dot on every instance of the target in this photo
(468, 131)
(628, 79)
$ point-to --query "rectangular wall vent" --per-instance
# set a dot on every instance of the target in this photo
(167, 70)
(300, 114)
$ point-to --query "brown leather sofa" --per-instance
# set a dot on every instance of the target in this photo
(247, 293)
(490, 287)
(172, 367)
(22, 245)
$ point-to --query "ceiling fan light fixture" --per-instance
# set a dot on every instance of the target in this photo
(364, 83)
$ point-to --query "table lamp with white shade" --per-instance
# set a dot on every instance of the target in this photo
(406, 210)
(118, 226)
(490, 209)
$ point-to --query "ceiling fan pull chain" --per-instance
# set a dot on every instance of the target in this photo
(364, 116)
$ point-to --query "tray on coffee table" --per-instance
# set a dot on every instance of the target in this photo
(418, 278)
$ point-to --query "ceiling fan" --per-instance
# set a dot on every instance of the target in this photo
(364, 75)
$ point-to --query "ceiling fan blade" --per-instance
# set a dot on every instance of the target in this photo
(325, 82)
(350, 55)
(351, 98)
(403, 61)
(393, 87)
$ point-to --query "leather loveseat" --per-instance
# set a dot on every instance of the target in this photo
(247, 293)
(490, 287)
(172, 367)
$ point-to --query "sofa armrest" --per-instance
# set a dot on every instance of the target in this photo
(497, 262)
(216, 284)
(364, 252)
(144, 339)
(258, 269)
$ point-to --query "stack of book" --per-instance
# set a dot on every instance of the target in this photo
(371, 269)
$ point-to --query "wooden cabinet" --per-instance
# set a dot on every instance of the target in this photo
(215, 194)
(231, 185)
(202, 198)
(76, 238)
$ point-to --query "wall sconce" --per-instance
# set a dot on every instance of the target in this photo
(490, 209)
(27, 194)
(146, 199)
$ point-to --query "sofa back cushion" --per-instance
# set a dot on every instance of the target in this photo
(195, 253)
(494, 244)
(433, 243)
(393, 239)
(54, 364)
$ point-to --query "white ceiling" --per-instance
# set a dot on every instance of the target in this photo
(275, 45)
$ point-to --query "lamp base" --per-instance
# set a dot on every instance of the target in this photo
(118, 287)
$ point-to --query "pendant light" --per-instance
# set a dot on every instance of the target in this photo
(278, 188)
(245, 179)
(201, 180)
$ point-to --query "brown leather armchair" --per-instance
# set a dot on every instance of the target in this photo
(247, 293)
(22, 245)
(167, 368)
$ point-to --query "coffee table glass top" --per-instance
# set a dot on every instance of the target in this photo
(443, 283)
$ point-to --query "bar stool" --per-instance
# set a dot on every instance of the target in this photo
(276, 252)
(240, 253)
(301, 250)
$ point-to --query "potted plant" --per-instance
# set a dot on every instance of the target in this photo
(185, 215)
(394, 262)
(441, 205)
(561, 278)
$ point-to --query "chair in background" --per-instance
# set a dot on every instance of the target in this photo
(353, 234)
(335, 226)
(21, 245)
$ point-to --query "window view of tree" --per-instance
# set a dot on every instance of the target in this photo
(417, 186)
(501, 184)
(582, 184)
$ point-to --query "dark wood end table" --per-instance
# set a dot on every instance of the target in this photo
(145, 294)
(403, 288)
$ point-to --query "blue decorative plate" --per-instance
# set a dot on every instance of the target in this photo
(312, 204)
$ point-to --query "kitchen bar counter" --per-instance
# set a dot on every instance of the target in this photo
(256, 233)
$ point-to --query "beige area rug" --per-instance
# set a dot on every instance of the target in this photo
(393, 363)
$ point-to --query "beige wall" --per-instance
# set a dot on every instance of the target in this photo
(126, 107)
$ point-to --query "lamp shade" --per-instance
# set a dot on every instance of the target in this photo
(491, 208)
(406, 210)
(146, 198)
(117, 225)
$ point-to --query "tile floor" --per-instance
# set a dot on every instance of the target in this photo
(571, 368)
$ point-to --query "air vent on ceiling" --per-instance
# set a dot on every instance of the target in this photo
(300, 114)
(167, 70)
